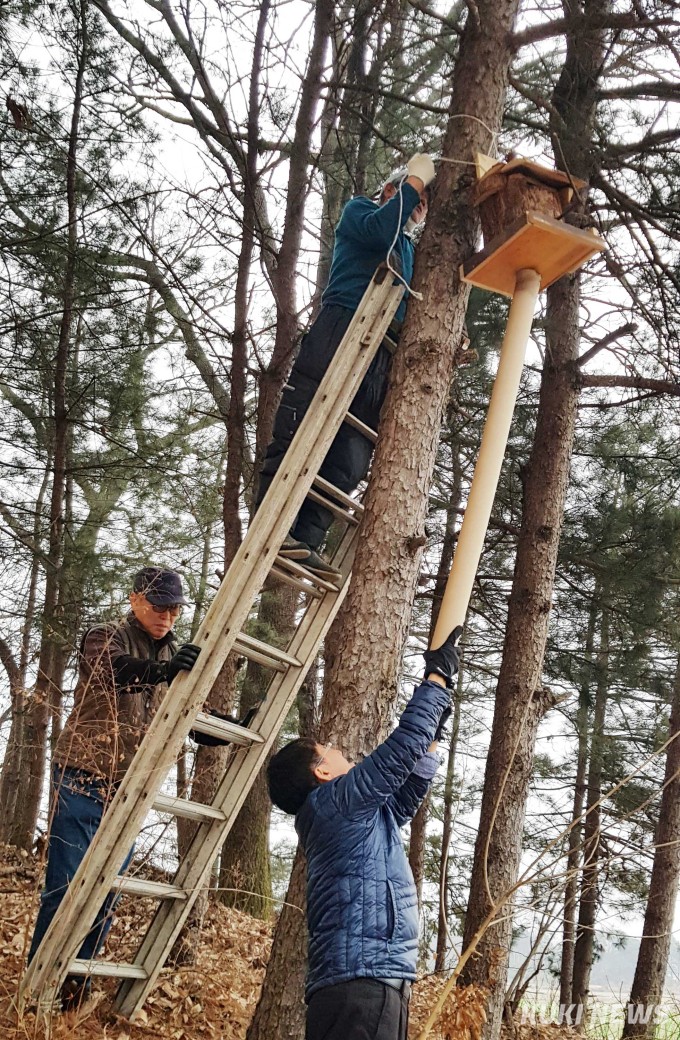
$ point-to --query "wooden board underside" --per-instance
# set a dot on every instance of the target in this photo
(540, 243)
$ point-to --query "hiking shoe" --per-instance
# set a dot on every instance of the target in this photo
(75, 992)
(318, 565)
(294, 550)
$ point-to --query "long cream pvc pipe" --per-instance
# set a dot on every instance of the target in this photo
(491, 454)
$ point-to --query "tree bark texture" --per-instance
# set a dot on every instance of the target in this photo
(373, 621)
(416, 855)
(443, 914)
(38, 710)
(416, 848)
(652, 962)
(520, 703)
(589, 896)
(575, 834)
(9, 779)
(280, 1012)
(573, 860)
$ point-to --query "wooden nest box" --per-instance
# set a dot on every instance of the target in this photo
(520, 206)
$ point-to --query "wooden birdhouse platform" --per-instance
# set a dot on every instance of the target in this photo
(541, 243)
(520, 204)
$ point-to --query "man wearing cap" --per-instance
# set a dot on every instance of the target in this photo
(367, 232)
(125, 668)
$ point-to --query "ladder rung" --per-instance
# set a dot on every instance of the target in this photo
(215, 727)
(302, 572)
(186, 809)
(368, 433)
(336, 510)
(342, 514)
(264, 653)
(295, 583)
(330, 489)
(135, 886)
(111, 969)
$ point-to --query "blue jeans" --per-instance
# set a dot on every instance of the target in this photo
(80, 805)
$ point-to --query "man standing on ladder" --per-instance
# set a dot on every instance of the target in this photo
(362, 904)
(367, 233)
(124, 671)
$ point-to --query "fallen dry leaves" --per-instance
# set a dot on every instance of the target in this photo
(214, 997)
(462, 1016)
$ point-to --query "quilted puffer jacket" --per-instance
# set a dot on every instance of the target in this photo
(362, 906)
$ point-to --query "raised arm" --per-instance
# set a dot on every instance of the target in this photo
(376, 226)
(369, 785)
(381, 775)
(405, 802)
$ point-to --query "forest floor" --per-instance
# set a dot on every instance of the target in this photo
(214, 997)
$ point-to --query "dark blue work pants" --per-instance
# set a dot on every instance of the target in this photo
(80, 804)
(349, 456)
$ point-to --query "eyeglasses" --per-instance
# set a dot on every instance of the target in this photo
(326, 750)
(173, 609)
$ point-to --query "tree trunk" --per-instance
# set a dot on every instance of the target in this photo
(273, 378)
(519, 701)
(587, 912)
(280, 1012)
(416, 848)
(652, 962)
(12, 754)
(37, 715)
(10, 779)
(416, 855)
(574, 841)
(443, 914)
(365, 644)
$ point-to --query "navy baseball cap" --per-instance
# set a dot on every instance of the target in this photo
(160, 586)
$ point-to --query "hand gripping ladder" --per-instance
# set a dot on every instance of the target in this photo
(179, 712)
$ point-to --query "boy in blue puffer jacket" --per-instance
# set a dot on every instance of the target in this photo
(362, 906)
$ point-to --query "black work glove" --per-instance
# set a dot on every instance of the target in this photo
(446, 715)
(444, 661)
(183, 661)
(206, 740)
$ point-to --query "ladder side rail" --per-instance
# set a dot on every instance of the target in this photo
(220, 628)
(194, 870)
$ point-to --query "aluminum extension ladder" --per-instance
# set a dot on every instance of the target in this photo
(180, 710)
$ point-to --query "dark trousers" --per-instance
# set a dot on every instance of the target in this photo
(77, 814)
(349, 456)
(361, 1009)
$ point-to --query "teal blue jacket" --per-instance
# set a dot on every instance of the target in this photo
(363, 237)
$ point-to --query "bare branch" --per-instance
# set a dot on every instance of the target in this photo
(657, 386)
(611, 337)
